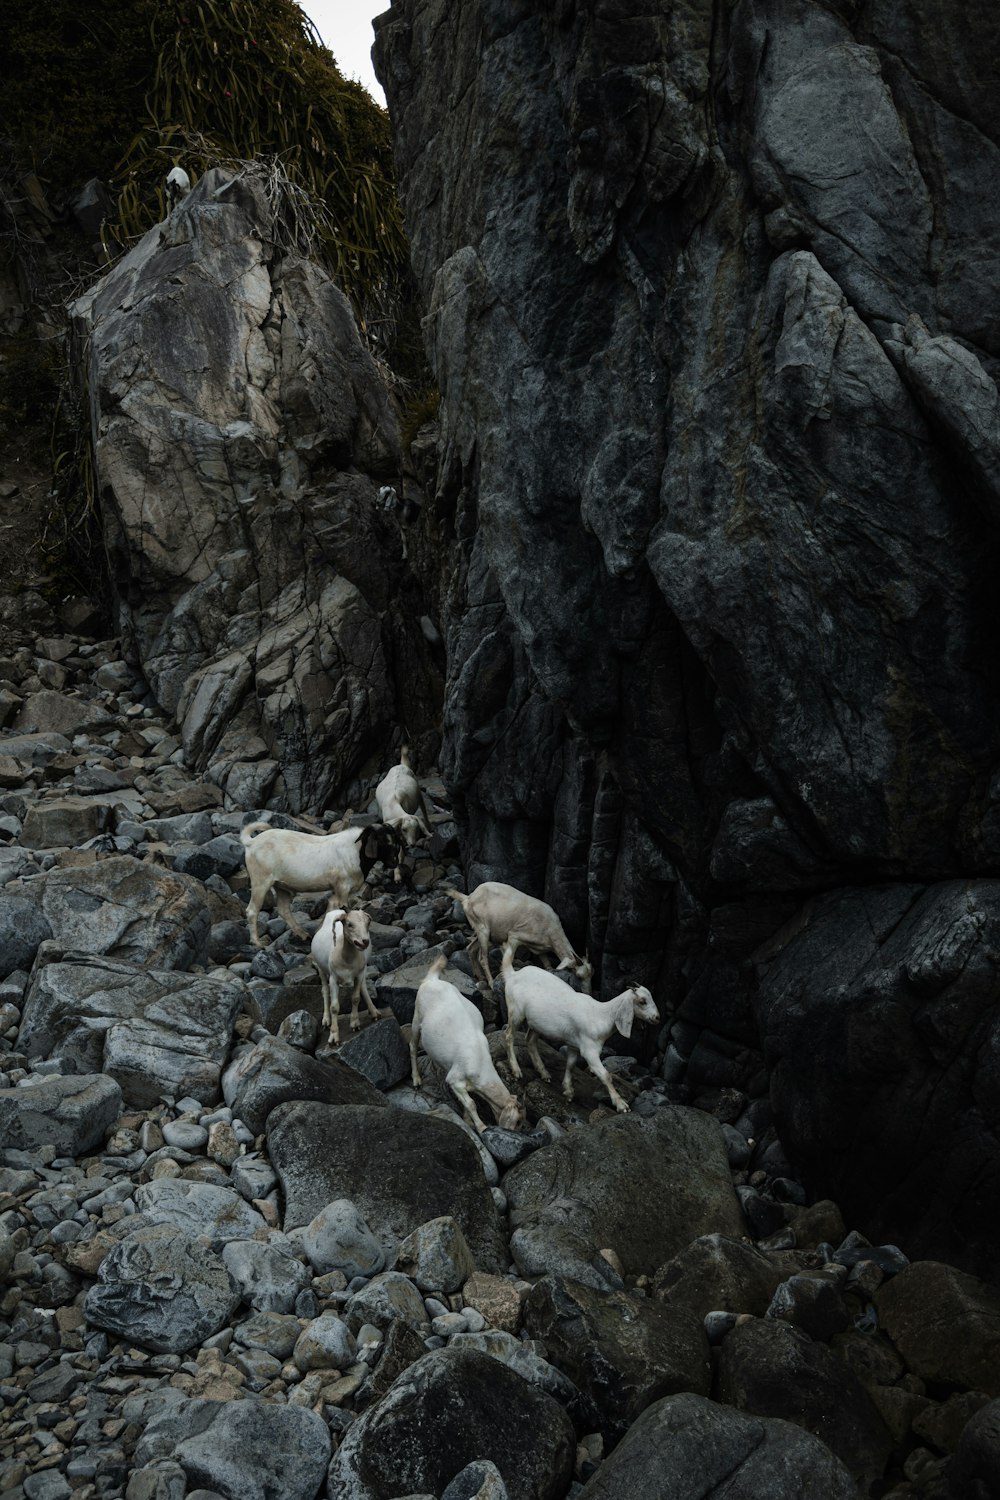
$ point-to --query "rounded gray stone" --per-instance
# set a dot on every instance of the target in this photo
(338, 1239)
(325, 1343)
(268, 1277)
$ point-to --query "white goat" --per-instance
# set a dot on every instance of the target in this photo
(401, 805)
(178, 185)
(499, 913)
(451, 1030)
(339, 953)
(550, 1009)
(284, 860)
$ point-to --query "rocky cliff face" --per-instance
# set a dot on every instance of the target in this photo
(711, 299)
(241, 435)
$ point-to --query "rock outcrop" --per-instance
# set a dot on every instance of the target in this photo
(709, 298)
(241, 435)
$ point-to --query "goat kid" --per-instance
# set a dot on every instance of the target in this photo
(339, 953)
(284, 860)
(401, 806)
(548, 1008)
(499, 913)
(451, 1030)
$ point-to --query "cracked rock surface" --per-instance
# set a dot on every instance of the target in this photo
(710, 303)
(241, 435)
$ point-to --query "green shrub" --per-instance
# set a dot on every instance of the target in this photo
(123, 89)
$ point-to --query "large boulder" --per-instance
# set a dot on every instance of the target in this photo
(72, 1113)
(272, 1071)
(716, 1274)
(23, 929)
(243, 1450)
(770, 1369)
(398, 1169)
(242, 431)
(974, 1472)
(63, 822)
(445, 1411)
(157, 1031)
(128, 909)
(214, 1215)
(643, 1187)
(162, 1289)
(945, 1324)
(688, 1448)
(622, 1352)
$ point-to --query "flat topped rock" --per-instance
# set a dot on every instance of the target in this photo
(157, 1031)
(200, 1209)
(945, 1323)
(126, 908)
(71, 1113)
(35, 749)
(47, 712)
(63, 822)
(399, 1169)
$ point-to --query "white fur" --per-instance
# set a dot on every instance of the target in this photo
(451, 1031)
(178, 185)
(339, 953)
(283, 860)
(548, 1008)
(401, 805)
(499, 913)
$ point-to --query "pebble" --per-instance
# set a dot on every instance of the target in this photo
(185, 1134)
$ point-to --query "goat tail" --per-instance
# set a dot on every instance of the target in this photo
(437, 967)
(247, 832)
(458, 896)
(507, 961)
(404, 757)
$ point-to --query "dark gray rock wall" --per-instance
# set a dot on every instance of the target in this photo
(711, 298)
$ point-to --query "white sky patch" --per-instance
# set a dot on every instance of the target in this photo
(345, 26)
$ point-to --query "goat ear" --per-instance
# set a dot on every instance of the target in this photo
(371, 844)
(565, 964)
(623, 1013)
